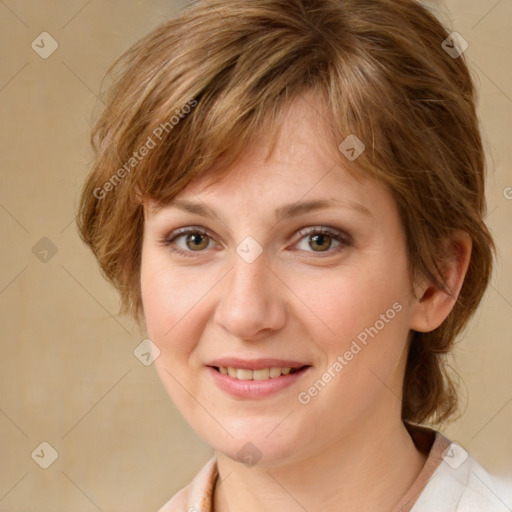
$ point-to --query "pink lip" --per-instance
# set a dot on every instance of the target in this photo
(254, 364)
(255, 388)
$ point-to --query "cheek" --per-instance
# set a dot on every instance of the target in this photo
(347, 301)
(365, 309)
(177, 304)
(170, 294)
(172, 309)
(362, 359)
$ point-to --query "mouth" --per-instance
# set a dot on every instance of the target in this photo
(260, 378)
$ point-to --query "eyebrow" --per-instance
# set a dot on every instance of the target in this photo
(283, 212)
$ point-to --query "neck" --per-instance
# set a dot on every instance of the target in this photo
(369, 470)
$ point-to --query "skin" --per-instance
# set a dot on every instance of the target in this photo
(347, 449)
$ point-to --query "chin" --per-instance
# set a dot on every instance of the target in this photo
(258, 452)
(254, 442)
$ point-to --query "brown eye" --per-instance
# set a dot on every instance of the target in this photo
(320, 242)
(186, 241)
(196, 241)
(323, 240)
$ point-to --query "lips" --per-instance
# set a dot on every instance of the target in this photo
(253, 389)
(255, 378)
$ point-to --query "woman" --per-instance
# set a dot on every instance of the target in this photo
(289, 196)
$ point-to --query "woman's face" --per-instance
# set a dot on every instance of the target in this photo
(257, 276)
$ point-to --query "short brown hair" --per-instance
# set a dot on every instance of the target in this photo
(206, 82)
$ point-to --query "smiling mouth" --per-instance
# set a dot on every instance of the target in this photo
(260, 374)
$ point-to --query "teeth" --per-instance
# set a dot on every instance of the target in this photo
(263, 374)
(243, 374)
(274, 372)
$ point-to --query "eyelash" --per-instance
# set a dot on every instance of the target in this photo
(344, 239)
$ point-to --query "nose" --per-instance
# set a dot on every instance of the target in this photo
(252, 303)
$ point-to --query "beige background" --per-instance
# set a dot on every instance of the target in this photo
(68, 373)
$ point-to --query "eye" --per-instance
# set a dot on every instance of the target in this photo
(321, 240)
(186, 241)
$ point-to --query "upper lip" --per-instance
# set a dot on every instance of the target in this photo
(255, 364)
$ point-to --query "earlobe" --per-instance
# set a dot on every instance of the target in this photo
(434, 304)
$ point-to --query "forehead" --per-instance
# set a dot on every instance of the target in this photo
(276, 192)
(301, 157)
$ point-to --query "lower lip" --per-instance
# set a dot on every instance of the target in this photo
(255, 388)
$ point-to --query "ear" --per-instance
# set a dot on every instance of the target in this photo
(434, 304)
(137, 195)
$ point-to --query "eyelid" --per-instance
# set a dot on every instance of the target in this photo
(185, 231)
(333, 232)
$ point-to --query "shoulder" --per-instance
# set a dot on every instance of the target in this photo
(461, 484)
(196, 496)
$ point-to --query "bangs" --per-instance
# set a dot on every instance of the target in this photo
(188, 114)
